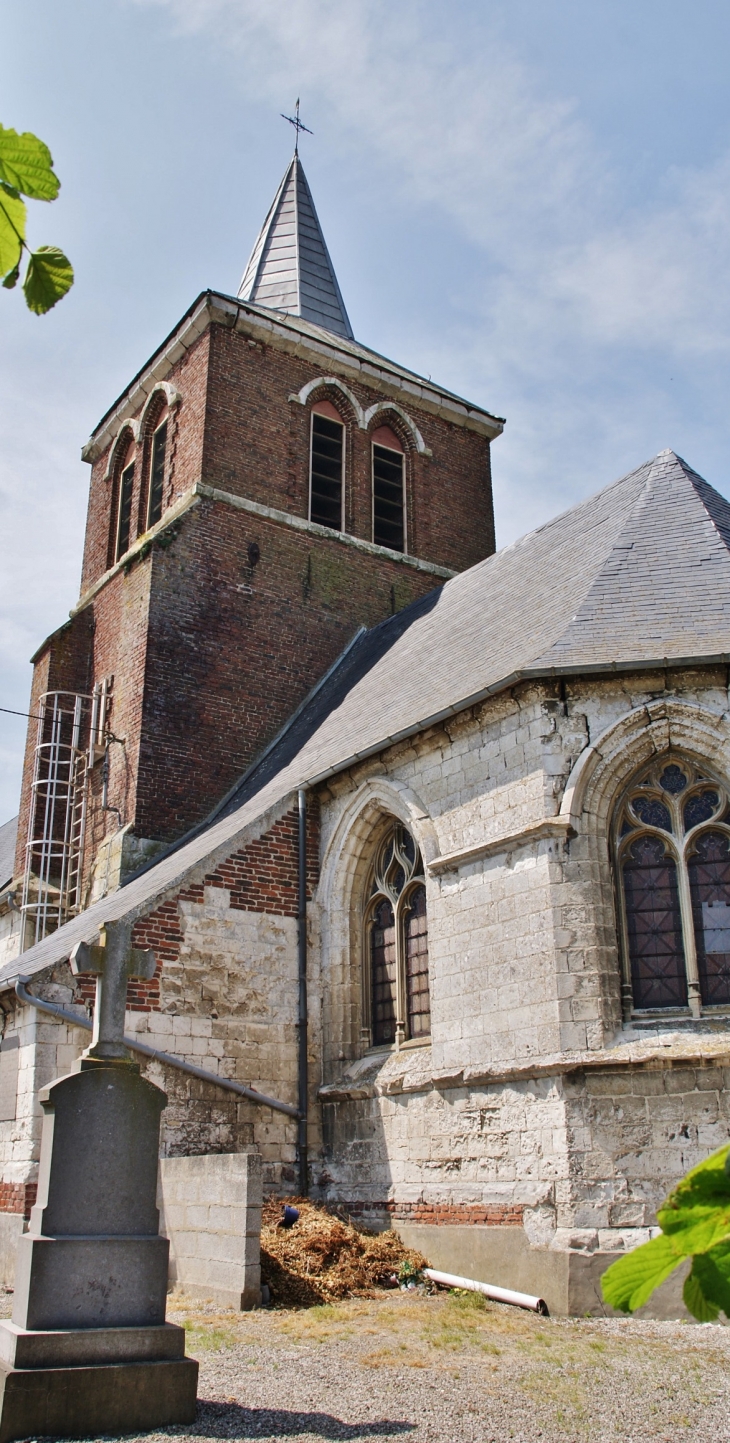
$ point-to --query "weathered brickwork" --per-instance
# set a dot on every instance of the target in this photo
(18, 1197)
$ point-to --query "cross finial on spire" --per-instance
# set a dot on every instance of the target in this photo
(298, 125)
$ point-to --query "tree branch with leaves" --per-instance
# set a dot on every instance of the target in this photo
(695, 1223)
(26, 169)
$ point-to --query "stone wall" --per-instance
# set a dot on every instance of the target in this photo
(533, 1108)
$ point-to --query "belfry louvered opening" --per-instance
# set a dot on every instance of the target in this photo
(157, 474)
(124, 514)
(327, 472)
(388, 507)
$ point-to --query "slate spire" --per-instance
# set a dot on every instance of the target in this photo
(290, 269)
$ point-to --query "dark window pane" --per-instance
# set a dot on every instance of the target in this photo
(654, 926)
(382, 971)
(673, 779)
(700, 808)
(709, 880)
(388, 498)
(157, 474)
(653, 812)
(125, 511)
(416, 939)
(326, 472)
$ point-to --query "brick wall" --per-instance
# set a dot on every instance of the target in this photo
(209, 653)
(257, 445)
(18, 1197)
(263, 877)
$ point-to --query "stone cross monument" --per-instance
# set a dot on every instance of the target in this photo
(88, 1350)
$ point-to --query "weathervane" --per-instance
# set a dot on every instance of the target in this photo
(298, 125)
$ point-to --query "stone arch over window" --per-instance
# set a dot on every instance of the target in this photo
(396, 996)
(671, 844)
(122, 474)
(389, 413)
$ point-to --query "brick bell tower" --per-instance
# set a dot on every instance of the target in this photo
(263, 487)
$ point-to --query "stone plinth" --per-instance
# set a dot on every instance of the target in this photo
(211, 1213)
(88, 1350)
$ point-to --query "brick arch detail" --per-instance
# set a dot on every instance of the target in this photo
(389, 413)
(324, 388)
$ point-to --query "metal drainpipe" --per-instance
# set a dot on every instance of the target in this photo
(53, 1010)
(302, 1031)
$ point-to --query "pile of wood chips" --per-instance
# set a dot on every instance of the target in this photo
(322, 1257)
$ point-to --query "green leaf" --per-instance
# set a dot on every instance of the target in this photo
(700, 1306)
(12, 231)
(26, 164)
(11, 279)
(712, 1273)
(631, 1280)
(697, 1213)
(48, 277)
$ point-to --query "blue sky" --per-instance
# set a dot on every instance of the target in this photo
(529, 202)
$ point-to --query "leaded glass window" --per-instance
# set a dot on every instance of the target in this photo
(326, 472)
(671, 840)
(398, 999)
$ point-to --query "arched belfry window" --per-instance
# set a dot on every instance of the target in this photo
(672, 850)
(327, 467)
(389, 510)
(396, 934)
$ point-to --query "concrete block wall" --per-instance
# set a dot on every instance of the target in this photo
(210, 1209)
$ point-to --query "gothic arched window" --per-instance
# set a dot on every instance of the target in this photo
(397, 942)
(672, 849)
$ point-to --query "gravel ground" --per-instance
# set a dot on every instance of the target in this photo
(450, 1367)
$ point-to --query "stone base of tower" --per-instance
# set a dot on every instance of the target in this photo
(82, 1382)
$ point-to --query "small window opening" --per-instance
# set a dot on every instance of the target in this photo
(125, 510)
(328, 452)
(388, 509)
(157, 474)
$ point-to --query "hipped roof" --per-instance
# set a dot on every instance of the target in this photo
(636, 576)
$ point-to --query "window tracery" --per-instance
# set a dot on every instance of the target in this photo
(396, 928)
(671, 839)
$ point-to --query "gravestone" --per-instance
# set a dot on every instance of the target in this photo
(88, 1350)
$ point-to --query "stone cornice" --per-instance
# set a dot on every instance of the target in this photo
(642, 1057)
(559, 827)
(285, 333)
(298, 523)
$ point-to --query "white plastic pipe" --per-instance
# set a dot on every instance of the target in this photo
(499, 1295)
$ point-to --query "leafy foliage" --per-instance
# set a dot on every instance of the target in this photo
(26, 169)
(695, 1222)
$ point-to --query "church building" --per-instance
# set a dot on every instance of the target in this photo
(431, 841)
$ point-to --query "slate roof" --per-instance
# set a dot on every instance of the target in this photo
(636, 576)
(290, 268)
(8, 838)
